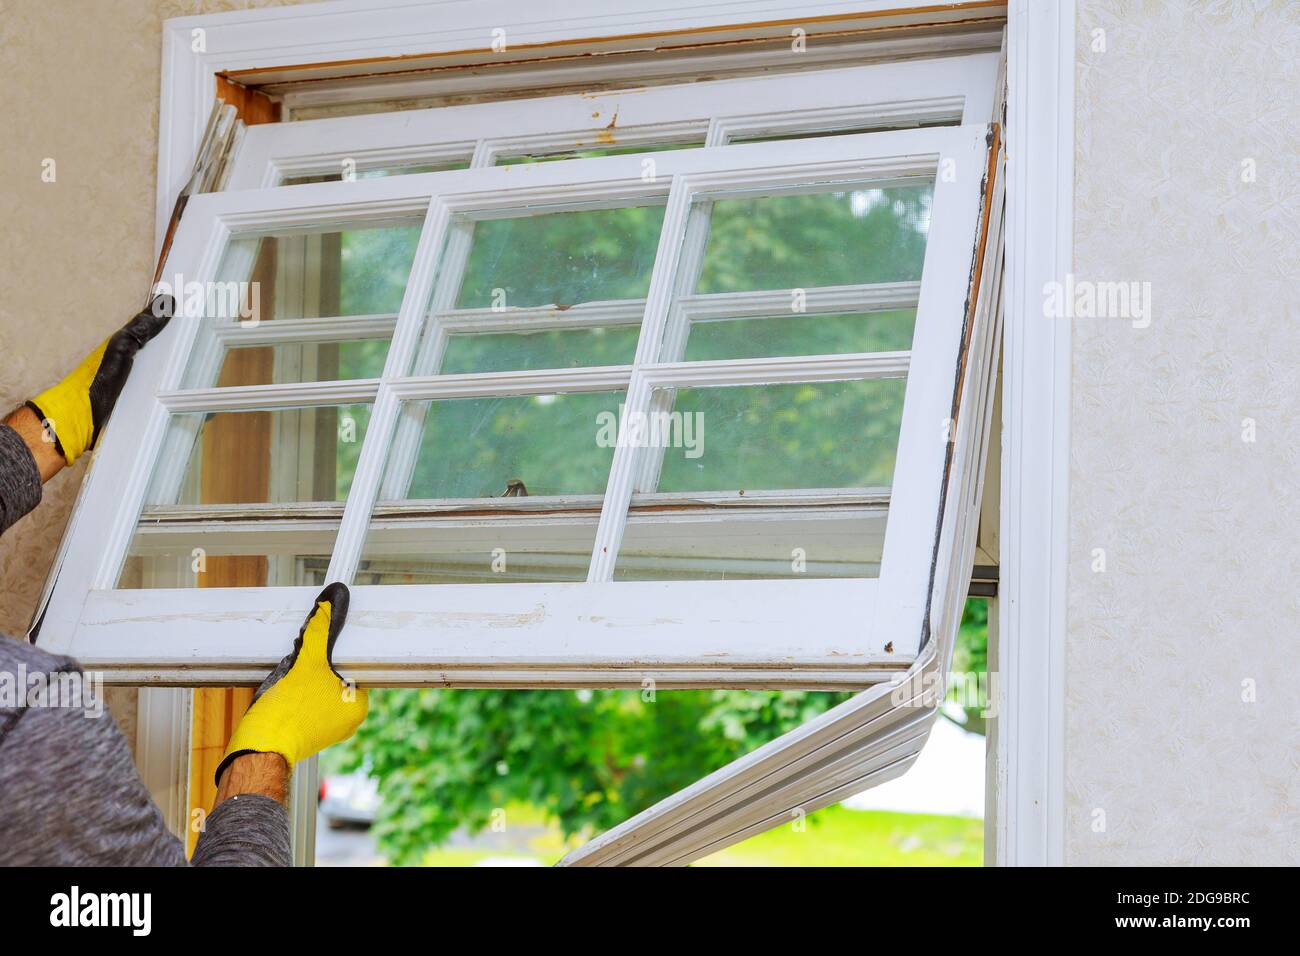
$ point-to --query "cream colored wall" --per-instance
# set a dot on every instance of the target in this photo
(1199, 527)
(78, 85)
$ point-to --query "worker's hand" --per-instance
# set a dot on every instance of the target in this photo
(304, 706)
(75, 410)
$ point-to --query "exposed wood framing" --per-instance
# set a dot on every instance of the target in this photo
(252, 106)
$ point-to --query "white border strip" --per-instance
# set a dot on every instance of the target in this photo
(1036, 435)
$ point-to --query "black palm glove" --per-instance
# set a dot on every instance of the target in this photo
(76, 409)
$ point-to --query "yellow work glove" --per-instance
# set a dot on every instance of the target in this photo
(74, 411)
(305, 705)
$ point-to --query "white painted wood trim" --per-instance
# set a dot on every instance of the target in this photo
(162, 746)
(538, 635)
(950, 89)
(1034, 537)
(362, 29)
(304, 796)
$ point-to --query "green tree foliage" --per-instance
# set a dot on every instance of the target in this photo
(970, 657)
(445, 759)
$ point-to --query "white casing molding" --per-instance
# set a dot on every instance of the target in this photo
(162, 746)
(1034, 543)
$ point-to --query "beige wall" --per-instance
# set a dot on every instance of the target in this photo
(1199, 527)
(79, 85)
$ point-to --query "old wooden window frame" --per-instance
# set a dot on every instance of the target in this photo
(826, 632)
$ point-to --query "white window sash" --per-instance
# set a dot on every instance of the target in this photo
(955, 89)
(823, 633)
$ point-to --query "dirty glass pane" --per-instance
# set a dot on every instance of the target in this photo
(591, 153)
(799, 334)
(797, 239)
(553, 348)
(259, 457)
(561, 258)
(503, 549)
(290, 362)
(379, 172)
(841, 544)
(276, 554)
(769, 437)
(516, 449)
(549, 444)
(318, 273)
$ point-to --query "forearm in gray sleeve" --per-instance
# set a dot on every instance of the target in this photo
(20, 479)
(247, 830)
(70, 794)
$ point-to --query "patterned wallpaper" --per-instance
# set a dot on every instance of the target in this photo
(1183, 714)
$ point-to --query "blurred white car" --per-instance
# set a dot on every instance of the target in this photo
(350, 799)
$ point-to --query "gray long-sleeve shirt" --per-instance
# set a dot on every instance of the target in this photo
(69, 792)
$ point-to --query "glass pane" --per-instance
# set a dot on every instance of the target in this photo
(512, 448)
(332, 271)
(503, 549)
(259, 457)
(771, 437)
(839, 544)
(478, 447)
(378, 172)
(803, 240)
(561, 258)
(553, 348)
(545, 157)
(278, 555)
(296, 362)
(797, 334)
(819, 133)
